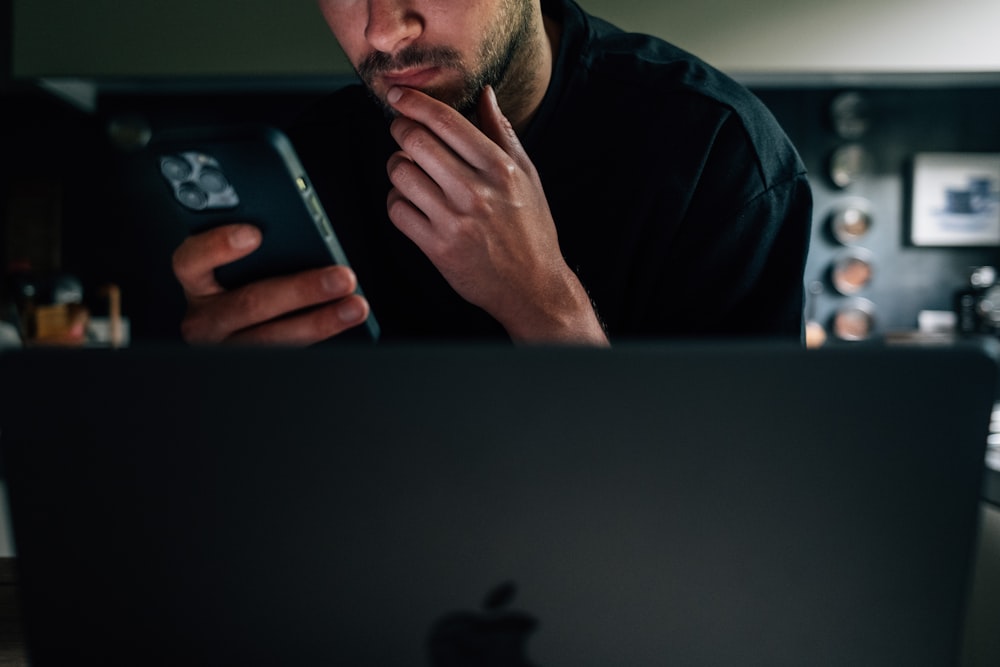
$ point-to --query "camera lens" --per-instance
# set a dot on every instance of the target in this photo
(212, 180)
(175, 168)
(191, 196)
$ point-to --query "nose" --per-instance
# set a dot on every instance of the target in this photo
(392, 25)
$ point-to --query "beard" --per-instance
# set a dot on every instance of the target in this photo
(503, 62)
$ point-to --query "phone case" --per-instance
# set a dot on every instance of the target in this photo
(218, 176)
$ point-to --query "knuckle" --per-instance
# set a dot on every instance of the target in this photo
(396, 207)
(464, 193)
(444, 120)
(401, 172)
(394, 164)
(482, 201)
(477, 199)
(463, 233)
(247, 302)
(399, 210)
(506, 170)
(413, 138)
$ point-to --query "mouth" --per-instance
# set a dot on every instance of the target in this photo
(413, 77)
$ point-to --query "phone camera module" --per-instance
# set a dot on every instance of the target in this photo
(198, 182)
(193, 197)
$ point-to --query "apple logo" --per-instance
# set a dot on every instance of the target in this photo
(493, 637)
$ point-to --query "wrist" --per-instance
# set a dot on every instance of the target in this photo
(563, 315)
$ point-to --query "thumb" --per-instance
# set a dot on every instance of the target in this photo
(494, 124)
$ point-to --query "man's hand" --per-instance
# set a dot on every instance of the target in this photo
(298, 309)
(471, 199)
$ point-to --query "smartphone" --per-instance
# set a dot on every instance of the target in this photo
(249, 174)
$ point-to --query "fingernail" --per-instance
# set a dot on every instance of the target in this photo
(244, 237)
(334, 282)
(394, 94)
(350, 312)
(493, 96)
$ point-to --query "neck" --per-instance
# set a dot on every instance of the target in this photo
(522, 90)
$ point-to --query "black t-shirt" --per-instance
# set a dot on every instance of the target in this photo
(679, 201)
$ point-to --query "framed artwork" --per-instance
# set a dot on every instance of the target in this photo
(956, 199)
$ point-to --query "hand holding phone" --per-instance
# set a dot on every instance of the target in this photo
(297, 309)
(263, 263)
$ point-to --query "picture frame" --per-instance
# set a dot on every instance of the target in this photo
(955, 200)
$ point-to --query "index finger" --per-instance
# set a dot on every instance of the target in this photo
(457, 131)
(195, 260)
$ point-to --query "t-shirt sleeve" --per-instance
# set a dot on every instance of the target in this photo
(734, 264)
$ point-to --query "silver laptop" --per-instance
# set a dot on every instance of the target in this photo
(672, 505)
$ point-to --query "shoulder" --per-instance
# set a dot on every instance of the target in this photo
(655, 67)
(663, 85)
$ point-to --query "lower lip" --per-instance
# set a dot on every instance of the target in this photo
(412, 80)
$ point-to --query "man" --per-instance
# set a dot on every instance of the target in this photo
(673, 205)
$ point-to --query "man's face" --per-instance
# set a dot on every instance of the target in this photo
(449, 49)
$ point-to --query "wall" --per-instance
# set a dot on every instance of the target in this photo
(252, 37)
(822, 36)
(148, 38)
(901, 122)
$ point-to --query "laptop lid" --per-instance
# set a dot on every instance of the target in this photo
(675, 505)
